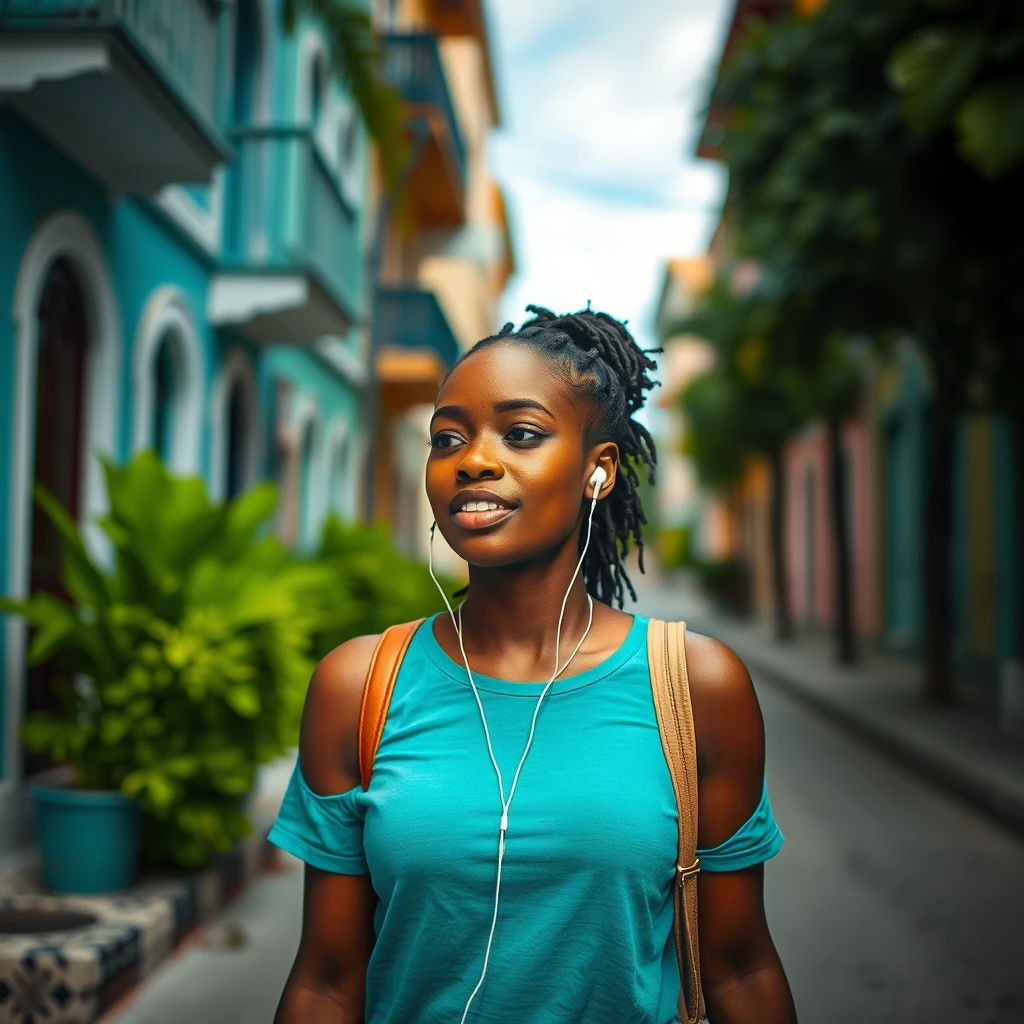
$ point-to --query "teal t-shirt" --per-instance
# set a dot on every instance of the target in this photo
(584, 930)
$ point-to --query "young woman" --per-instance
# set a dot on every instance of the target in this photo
(402, 922)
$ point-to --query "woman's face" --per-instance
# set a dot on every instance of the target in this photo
(507, 432)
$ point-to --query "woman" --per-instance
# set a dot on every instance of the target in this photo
(406, 870)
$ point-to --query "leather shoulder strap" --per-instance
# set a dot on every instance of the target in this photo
(380, 684)
(666, 654)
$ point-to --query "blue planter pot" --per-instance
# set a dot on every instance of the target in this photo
(88, 840)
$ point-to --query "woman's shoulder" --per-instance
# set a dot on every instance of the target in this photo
(727, 717)
(330, 718)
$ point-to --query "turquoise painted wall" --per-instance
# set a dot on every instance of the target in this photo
(904, 434)
(144, 251)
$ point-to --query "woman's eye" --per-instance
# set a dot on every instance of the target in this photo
(522, 435)
(444, 440)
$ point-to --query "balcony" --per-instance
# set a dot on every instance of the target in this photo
(437, 186)
(290, 268)
(127, 88)
(415, 343)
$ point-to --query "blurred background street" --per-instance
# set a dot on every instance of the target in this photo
(243, 243)
(889, 900)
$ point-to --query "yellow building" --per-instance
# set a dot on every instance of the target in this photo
(445, 247)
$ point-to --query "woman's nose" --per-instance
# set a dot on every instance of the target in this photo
(479, 462)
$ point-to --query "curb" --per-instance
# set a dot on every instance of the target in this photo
(1001, 807)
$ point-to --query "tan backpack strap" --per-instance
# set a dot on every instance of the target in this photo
(666, 655)
(380, 684)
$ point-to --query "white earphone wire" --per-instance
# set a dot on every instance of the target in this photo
(505, 804)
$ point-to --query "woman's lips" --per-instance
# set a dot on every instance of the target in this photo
(480, 520)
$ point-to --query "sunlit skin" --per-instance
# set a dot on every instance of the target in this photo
(505, 425)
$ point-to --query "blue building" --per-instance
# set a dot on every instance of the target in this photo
(182, 187)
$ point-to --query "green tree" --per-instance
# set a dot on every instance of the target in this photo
(774, 373)
(962, 74)
(881, 227)
(356, 53)
(746, 406)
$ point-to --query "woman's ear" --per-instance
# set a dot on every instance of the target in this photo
(605, 457)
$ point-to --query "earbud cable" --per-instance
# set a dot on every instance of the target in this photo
(505, 804)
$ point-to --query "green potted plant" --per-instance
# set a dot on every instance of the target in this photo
(190, 652)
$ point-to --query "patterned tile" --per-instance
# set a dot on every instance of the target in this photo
(71, 977)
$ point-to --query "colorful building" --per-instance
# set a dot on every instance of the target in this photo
(445, 251)
(182, 187)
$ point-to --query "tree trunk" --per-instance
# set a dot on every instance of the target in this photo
(938, 539)
(846, 647)
(777, 528)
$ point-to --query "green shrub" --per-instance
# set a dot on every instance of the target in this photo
(191, 654)
(372, 584)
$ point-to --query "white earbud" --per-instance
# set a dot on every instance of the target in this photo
(597, 480)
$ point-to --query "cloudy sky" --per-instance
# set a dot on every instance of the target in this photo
(601, 101)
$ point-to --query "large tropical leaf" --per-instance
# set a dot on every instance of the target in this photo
(990, 124)
(933, 69)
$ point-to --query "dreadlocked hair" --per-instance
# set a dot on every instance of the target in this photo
(597, 357)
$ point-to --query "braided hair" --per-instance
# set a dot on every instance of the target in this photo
(596, 356)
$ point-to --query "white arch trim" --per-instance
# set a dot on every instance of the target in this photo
(167, 315)
(236, 371)
(338, 451)
(306, 416)
(63, 234)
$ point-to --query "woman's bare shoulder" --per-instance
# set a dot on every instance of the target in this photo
(329, 740)
(726, 716)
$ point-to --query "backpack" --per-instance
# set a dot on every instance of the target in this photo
(666, 652)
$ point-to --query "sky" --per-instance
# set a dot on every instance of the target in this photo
(601, 104)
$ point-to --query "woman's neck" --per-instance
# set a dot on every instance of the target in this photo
(506, 608)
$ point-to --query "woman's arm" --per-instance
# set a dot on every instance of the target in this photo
(327, 984)
(742, 976)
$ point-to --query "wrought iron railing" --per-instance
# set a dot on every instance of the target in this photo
(179, 37)
(411, 318)
(285, 210)
(412, 65)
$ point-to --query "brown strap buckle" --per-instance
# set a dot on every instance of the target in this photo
(693, 869)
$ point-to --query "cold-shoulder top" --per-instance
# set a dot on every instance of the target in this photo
(584, 929)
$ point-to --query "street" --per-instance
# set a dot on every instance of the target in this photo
(889, 902)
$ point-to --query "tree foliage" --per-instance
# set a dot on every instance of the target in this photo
(963, 71)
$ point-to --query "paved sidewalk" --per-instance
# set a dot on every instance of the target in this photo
(959, 748)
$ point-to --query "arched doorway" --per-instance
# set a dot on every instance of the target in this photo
(63, 348)
(235, 427)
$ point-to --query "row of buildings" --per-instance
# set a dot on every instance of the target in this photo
(200, 255)
(884, 454)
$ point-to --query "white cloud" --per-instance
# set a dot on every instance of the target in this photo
(601, 105)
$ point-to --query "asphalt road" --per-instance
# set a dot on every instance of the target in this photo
(889, 903)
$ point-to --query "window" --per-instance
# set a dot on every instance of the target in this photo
(161, 431)
(237, 442)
